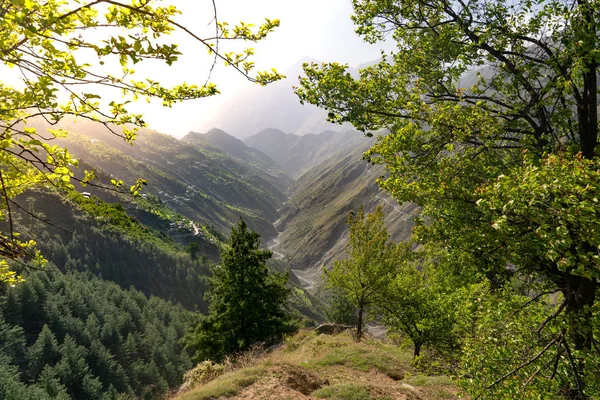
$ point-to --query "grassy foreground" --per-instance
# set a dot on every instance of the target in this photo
(311, 366)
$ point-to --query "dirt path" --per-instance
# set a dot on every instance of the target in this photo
(272, 245)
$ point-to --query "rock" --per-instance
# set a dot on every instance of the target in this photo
(332, 329)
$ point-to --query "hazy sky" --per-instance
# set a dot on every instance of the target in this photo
(321, 29)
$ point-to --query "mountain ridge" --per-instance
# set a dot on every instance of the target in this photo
(297, 153)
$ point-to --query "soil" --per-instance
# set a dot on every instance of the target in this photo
(289, 382)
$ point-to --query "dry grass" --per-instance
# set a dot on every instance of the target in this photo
(227, 385)
(311, 366)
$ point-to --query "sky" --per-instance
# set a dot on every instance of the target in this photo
(320, 29)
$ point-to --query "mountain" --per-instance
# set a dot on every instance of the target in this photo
(262, 164)
(312, 227)
(201, 181)
(295, 154)
(275, 106)
(106, 317)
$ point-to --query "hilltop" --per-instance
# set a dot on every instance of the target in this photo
(313, 366)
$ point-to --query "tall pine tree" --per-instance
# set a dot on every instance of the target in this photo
(246, 300)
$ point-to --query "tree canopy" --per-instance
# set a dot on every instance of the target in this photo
(66, 52)
(370, 264)
(491, 120)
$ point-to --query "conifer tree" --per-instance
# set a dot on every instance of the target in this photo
(51, 385)
(246, 300)
(44, 352)
(74, 372)
(12, 341)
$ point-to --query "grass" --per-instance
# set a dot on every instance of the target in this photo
(362, 358)
(343, 391)
(365, 356)
(226, 385)
(333, 367)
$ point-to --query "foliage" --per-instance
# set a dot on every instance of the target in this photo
(530, 341)
(49, 44)
(340, 309)
(246, 301)
(193, 250)
(370, 264)
(475, 92)
(202, 373)
(546, 212)
(420, 301)
(78, 337)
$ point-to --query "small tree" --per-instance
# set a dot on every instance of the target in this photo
(417, 302)
(370, 264)
(193, 249)
(246, 300)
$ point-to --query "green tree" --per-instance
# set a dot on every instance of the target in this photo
(44, 351)
(418, 301)
(12, 341)
(11, 387)
(193, 249)
(51, 384)
(74, 373)
(476, 91)
(370, 265)
(246, 300)
(65, 52)
(340, 309)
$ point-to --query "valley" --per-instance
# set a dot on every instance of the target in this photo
(192, 208)
(160, 245)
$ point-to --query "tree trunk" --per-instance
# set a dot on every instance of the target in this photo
(580, 295)
(417, 352)
(580, 292)
(359, 323)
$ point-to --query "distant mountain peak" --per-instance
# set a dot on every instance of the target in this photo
(255, 108)
(295, 153)
(272, 132)
(217, 131)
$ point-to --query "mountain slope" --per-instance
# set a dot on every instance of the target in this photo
(90, 235)
(312, 225)
(198, 181)
(295, 154)
(261, 163)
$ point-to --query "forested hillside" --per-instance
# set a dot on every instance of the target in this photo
(201, 181)
(77, 336)
(90, 235)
